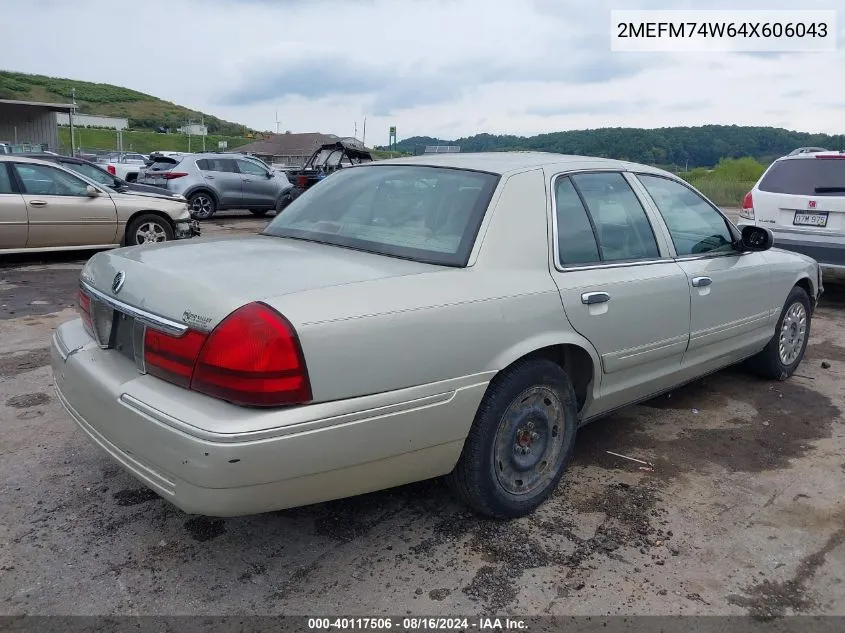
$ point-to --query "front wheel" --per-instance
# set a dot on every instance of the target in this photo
(148, 229)
(781, 357)
(202, 206)
(520, 441)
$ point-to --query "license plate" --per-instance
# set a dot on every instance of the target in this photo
(810, 219)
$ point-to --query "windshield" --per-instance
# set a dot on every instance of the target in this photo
(428, 214)
(95, 174)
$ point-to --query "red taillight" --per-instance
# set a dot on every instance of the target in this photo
(252, 357)
(111, 170)
(172, 358)
(84, 307)
(172, 175)
(748, 201)
(302, 181)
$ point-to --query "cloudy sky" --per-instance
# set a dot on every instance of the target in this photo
(446, 68)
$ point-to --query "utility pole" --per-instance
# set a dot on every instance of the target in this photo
(70, 119)
(188, 130)
(202, 129)
(364, 139)
(355, 133)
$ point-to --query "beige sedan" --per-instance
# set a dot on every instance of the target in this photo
(44, 206)
(457, 315)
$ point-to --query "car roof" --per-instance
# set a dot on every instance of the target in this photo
(51, 157)
(809, 155)
(23, 158)
(508, 162)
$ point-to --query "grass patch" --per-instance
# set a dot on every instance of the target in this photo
(142, 141)
(725, 193)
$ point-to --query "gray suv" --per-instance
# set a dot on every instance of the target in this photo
(216, 181)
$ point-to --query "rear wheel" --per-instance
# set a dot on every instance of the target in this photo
(148, 229)
(202, 205)
(520, 441)
(781, 357)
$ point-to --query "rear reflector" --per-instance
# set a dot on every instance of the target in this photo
(251, 358)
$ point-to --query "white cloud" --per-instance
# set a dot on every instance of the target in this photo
(445, 68)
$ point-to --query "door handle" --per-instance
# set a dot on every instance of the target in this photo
(209, 177)
(38, 203)
(700, 282)
(589, 298)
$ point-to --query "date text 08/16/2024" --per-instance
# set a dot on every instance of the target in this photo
(417, 624)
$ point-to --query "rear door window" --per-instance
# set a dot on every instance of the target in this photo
(225, 165)
(576, 241)
(806, 177)
(622, 228)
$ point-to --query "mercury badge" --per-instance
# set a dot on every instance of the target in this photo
(117, 282)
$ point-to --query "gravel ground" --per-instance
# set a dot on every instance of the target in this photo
(744, 512)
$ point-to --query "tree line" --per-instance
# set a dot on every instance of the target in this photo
(680, 147)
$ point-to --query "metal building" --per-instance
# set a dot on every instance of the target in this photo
(31, 122)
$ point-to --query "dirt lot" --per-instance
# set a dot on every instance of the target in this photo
(744, 512)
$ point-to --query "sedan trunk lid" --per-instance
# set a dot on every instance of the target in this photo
(201, 281)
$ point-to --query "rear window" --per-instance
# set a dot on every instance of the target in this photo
(806, 177)
(163, 164)
(427, 214)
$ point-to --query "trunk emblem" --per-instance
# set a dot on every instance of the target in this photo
(811, 204)
(117, 282)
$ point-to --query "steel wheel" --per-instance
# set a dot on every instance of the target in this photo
(528, 440)
(202, 206)
(793, 331)
(150, 232)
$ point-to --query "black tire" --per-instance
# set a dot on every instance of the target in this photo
(259, 212)
(491, 469)
(793, 331)
(283, 202)
(203, 205)
(147, 229)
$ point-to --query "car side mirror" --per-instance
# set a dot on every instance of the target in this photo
(757, 238)
(92, 191)
(269, 174)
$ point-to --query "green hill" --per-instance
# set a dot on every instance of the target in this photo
(144, 111)
(681, 147)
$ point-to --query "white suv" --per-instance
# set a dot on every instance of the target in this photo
(801, 198)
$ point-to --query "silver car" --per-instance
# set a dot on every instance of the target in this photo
(457, 315)
(215, 181)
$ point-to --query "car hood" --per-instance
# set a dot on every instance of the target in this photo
(149, 190)
(202, 280)
(130, 202)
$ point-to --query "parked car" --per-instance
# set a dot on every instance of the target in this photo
(124, 166)
(801, 198)
(325, 160)
(214, 182)
(44, 206)
(102, 177)
(346, 349)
